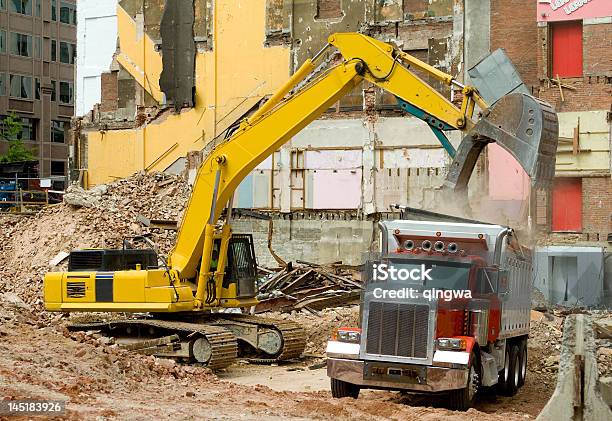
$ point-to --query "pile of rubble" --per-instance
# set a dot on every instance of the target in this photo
(602, 324)
(308, 286)
(102, 217)
(320, 327)
(546, 333)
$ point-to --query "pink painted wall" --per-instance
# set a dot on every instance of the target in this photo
(333, 159)
(507, 179)
(340, 189)
(556, 10)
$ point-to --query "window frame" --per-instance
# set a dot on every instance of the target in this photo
(51, 172)
(54, 91)
(21, 83)
(32, 124)
(19, 36)
(71, 50)
(3, 84)
(21, 7)
(3, 38)
(37, 90)
(53, 52)
(71, 92)
(55, 129)
(72, 13)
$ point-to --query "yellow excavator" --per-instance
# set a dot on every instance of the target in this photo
(211, 269)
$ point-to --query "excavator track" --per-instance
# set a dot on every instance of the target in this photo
(293, 335)
(223, 344)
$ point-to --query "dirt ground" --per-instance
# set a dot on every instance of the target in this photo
(41, 360)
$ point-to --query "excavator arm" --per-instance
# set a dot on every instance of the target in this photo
(301, 101)
(183, 323)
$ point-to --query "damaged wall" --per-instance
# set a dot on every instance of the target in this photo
(223, 90)
(177, 79)
(246, 50)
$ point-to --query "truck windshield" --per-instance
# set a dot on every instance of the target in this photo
(432, 274)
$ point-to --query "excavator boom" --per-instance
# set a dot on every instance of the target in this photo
(521, 124)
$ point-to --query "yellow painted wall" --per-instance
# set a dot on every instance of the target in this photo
(594, 142)
(230, 79)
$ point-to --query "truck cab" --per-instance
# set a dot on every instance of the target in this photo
(445, 309)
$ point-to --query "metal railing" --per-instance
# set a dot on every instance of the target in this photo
(27, 194)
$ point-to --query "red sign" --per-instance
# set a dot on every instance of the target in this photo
(556, 10)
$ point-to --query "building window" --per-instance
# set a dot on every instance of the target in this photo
(58, 131)
(37, 47)
(68, 13)
(67, 52)
(21, 86)
(2, 41)
(53, 90)
(21, 44)
(38, 8)
(2, 5)
(58, 168)
(64, 53)
(37, 88)
(66, 92)
(53, 50)
(23, 7)
(2, 84)
(28, 129)
(566, 54)
(54, 10)
(567, 205)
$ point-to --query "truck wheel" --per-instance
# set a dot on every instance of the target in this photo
(512, 384)
(504, 374)
(522, 362)
(342, 389)
(463, 399)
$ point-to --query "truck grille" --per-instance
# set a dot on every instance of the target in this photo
(397, 329)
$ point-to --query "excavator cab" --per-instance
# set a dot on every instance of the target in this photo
(240, 279)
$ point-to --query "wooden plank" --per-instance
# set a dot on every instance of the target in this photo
(299, 281)
(319, 303)
(560, 88)
(576, 139)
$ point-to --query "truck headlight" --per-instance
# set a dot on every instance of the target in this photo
(347, 334)
(451, 344)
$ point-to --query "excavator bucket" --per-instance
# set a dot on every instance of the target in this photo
(524, 126)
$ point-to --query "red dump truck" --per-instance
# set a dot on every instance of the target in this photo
(445, 310)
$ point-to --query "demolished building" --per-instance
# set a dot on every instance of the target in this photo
(157, 105)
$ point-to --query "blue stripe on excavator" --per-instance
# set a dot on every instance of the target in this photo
(435, 125)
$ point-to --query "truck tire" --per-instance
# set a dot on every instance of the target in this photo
(342, 389)
(522, 362)
(512, 384)
(463, 399)
(504, 374)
